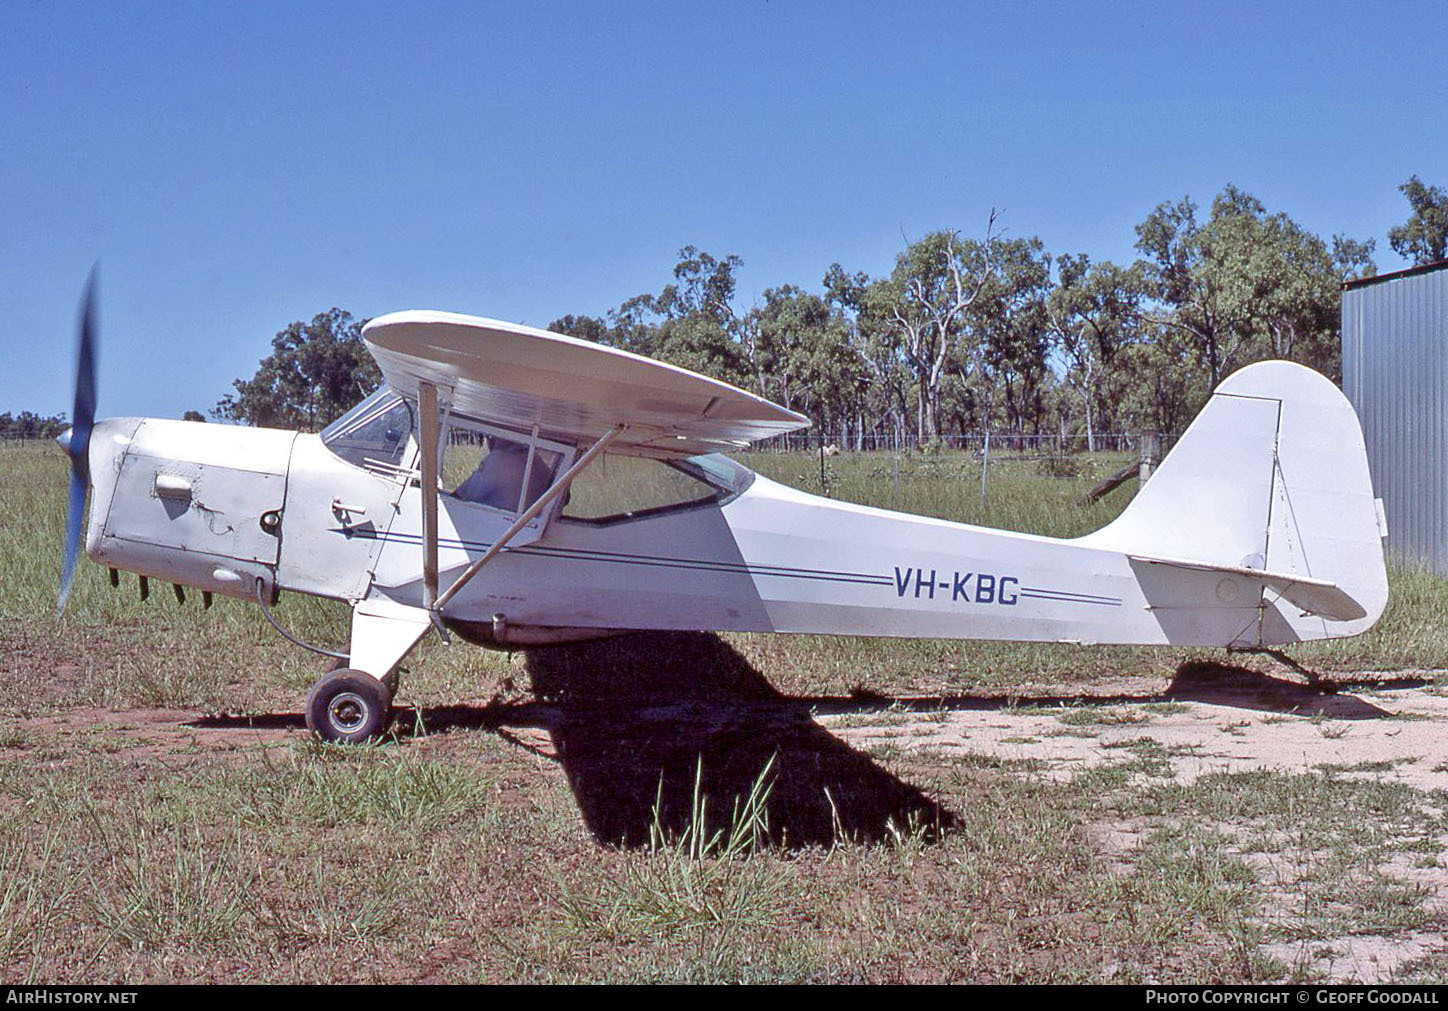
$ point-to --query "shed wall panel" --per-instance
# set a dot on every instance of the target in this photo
(1395, 372)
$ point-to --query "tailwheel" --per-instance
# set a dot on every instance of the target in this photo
(348, 707)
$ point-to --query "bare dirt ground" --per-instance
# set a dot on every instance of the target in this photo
(1206, 719)
(1389, 726)
(835, 756)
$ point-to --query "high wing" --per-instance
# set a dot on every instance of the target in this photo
(519, 376)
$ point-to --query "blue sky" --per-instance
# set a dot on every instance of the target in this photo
(235, 167)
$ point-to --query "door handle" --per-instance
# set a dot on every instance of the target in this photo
(345, 512)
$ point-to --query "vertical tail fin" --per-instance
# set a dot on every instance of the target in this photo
(1272, 476)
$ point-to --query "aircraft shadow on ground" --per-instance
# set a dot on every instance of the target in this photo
(639, 719)
(636, 720)
(1203, 681)
(1243, 688)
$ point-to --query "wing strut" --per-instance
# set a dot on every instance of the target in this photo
(557, 488)
(427, 401)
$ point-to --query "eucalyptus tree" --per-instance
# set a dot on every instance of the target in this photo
(1093, 314)
(863, 306)
(691, 322)
(589, 328)
(1353, 259)
(916, 317)
(316, 371)
(1246, 285)
(705, 288)
(935, 283)
(1181, 267)
(29, 425)
(798, 353)
(1282, 278)
(1006, 331)
(700, 330)
(1423, 238)
(1159, 381)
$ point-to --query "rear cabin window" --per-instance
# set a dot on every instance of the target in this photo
(619, 487)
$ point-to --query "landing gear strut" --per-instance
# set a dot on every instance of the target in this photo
(348, 707)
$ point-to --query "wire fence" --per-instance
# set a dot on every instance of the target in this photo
(1035, 444)
(25, 440)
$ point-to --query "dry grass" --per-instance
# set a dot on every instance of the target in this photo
(599, 813)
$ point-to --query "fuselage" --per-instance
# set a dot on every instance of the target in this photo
(240, 511)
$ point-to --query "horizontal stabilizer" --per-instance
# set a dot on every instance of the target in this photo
(1315, 596)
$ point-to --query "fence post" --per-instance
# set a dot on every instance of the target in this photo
(1150, 454)
(895, 498)
(984, 466)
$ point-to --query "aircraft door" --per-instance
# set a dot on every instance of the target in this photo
(343, 490)
(489, 477)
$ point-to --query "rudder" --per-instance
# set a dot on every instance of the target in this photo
(1271, 475)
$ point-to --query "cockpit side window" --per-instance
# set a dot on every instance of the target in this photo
(374, 434)
(617, 488)
(491, 467)
(503, 476)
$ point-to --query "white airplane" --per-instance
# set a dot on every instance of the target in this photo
(516, 487)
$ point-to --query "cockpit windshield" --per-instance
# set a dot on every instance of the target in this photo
(374, 432)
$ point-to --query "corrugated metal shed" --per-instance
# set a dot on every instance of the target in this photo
(1395, 372)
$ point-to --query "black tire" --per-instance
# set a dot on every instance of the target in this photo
(348, 707)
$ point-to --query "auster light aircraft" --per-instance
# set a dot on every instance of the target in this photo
(593, 498)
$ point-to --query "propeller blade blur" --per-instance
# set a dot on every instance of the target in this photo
(74, 520)
(76, 440)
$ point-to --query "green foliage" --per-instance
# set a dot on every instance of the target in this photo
(689, 323)
(1245, 285)
(315, 372)
(798, 354)
(1423, 238)
(1093, 315)
(1011, 321)
(29, 425)
(963, 335)
(966, 335)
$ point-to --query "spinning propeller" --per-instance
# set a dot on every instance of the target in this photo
(76, 439)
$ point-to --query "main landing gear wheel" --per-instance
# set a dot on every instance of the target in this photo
(348, 707)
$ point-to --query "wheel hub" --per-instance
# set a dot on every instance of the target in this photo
(347, 712)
